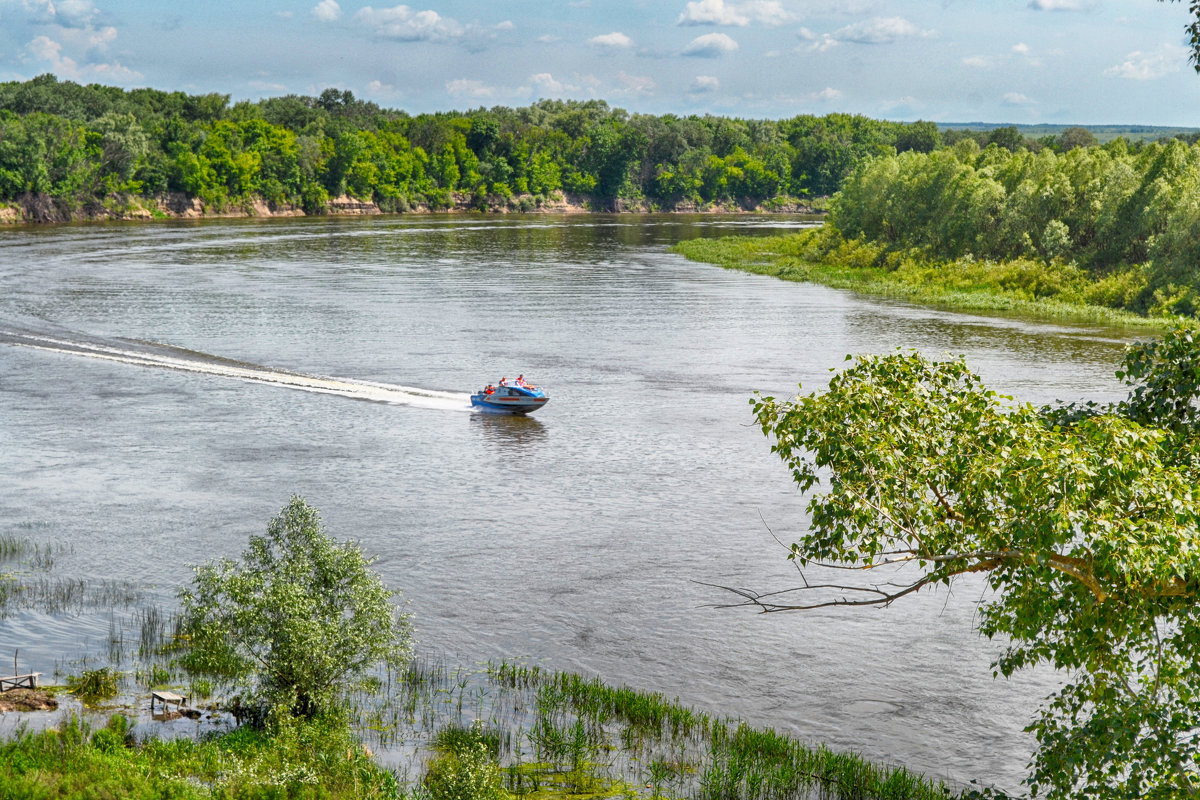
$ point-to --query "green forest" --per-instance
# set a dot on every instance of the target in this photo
(88, 149)
(1125, 222)
(1079, 230)
(1060, 217)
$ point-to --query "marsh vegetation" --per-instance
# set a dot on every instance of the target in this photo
(490, 732)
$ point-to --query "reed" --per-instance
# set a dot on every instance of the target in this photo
(12, 547)
(544, 735)
(547, 735)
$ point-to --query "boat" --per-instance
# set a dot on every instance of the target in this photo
(509, 399)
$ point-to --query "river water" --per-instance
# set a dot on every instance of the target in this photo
(151, 419)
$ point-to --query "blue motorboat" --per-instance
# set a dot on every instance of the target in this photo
(509, 399)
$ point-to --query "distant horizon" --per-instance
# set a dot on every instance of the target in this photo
(969, 125)
(1031, 61)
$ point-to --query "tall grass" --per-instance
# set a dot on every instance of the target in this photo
(668, 747)
(12, 547)
(543, 734)
(534, 733)
(1025, 288)
(304, 760)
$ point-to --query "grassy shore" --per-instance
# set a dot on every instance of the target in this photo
(1020, 288)
(302, 760)
(525, 734)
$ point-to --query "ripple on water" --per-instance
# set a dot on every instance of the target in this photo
(580, 538)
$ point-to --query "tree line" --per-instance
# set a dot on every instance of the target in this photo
(1127, 218)
(81, 144)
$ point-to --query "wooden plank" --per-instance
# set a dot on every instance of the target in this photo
(28, 681)
(165, 697)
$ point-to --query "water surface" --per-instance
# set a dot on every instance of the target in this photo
(579, 539)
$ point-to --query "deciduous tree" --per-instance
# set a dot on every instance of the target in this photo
(1085, 526)
(301, 617)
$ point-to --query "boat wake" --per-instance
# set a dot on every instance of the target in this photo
(165, 356)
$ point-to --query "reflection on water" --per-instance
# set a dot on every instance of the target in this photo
(643, 479)
(510, 434)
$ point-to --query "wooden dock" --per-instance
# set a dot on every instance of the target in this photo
(27, 681)
(166, 699)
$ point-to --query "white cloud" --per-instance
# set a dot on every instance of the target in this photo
(1025, 51)
(718, 12)
(378, 87)
(327, 11)
(827, 94)
(1059, 5)
(44, 50)
(101, 38)
(76, 46)
(979, 62)
(507, 25)
(546, 85)
(465, 87)
(635, 84)
(710, 45)
(880, 30)
(1139, 66)
(402, 24)
(823, 44)
(114, 73)
(1017, 99)
(614, 40)
(70, 13)
(702, 84)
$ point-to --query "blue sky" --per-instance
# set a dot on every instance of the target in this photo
(1020, 61)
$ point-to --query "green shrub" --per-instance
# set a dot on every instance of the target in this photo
(469, 774)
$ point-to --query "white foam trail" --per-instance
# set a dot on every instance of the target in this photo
(185, 361)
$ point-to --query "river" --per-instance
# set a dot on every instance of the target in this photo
(149, 421)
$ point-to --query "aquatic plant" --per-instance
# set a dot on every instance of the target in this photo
(96, 684)
(12, 547)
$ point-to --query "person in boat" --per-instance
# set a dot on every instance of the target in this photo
(504, 381)
(521, 382)
(489, 389)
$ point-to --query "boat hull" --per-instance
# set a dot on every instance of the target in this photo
(510, 400)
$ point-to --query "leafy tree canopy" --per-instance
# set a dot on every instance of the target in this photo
(301, 616)
(1193, 31)
(1085, 523)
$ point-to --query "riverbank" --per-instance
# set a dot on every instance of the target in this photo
(40, 209)
(1020, 288)
(536, 734)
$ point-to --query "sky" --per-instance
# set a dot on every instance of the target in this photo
(998, 61)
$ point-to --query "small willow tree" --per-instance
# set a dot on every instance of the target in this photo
(1085, 521)
(302, 617)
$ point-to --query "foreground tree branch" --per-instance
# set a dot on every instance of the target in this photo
(1084, 521)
